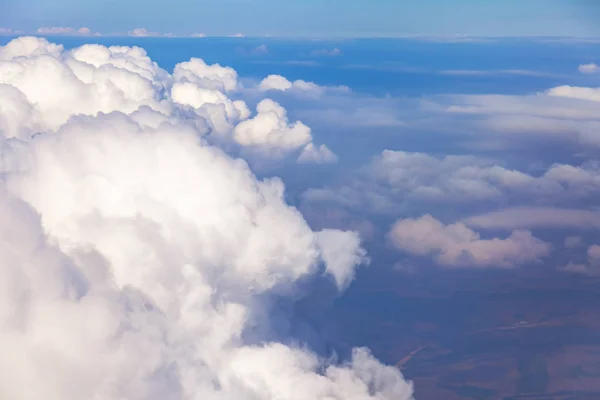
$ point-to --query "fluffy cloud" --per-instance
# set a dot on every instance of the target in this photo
(270, 131)
(145, 254)
(280, 83)
(94, 79)
(456, 245)
(589, 68)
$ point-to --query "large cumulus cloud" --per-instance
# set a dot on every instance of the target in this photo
(136, 256)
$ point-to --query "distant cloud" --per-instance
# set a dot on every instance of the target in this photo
(515, 72)
(589, 68)
(7, 32)
(278, 82)
(317, 155)
(62, 30)
(262, 49)
(237, 35)
(198, 35)
(591, 267)
(456, 245)
(397, 178)
(327, 52)
(565, 112)
(143, 32)
(529, 217)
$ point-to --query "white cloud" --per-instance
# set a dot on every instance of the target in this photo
(270, 131)
(146, 254)
(7, 32)
(61, 30)
(94, 79)
(143, 32)
(198, 35)
(456, 245)
(591, 68)
(237, 35)
(278, 82)
(318, 155)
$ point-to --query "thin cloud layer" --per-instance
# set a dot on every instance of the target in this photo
(146, 254)
(62, 30)
(456, 245)
(527, 217)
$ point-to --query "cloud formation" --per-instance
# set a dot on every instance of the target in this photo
(396, 178)
(94, 79)
(456, 245)
(138, 257)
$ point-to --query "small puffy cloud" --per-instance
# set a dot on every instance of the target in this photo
(278, 82)
(456, 245)
(535, 217)
(143, 32)
(591, 68)
(317, 155)
(61, 30)
(270, 131)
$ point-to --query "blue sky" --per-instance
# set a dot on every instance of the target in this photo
(311, 17)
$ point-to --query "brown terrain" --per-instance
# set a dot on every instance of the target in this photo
(512, 337)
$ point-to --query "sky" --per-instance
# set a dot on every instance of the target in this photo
(331, 18)
(225, 218)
